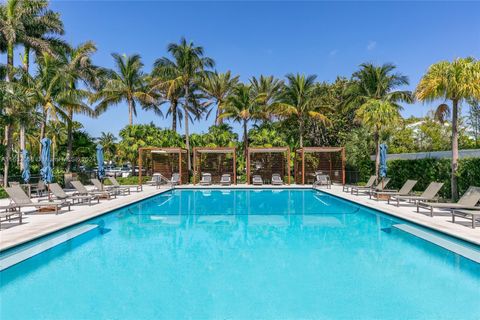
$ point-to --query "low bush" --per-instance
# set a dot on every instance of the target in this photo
(3, 194)
(428, 170)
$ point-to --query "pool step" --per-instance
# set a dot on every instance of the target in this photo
(17, 257)
(464, 251)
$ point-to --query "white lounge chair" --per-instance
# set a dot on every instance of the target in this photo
(62, 196)
(257, 180)
(20, 199)
(100, 187)
(175, 179)
(116, 184)
(467, 214)
(81, 190)
(226, 179)
(322, 180)
(428, 195)
(277, 179)
(468, 201)
(404, 191)
(369, 184)
(206, 179)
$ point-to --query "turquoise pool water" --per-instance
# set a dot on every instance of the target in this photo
(243, 254)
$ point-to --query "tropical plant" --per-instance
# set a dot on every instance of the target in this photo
(77, 67)
(187, 70)
(127, 83)
(108, 141)
(218, 86)
(378, 116)
(30, 23)
(377, 82)
(456, 81)
(300, 101)
(270, 88)
(242, 106)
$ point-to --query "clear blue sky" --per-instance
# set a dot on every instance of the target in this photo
(274, 38)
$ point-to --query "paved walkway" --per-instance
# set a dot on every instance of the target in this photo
(39, 224)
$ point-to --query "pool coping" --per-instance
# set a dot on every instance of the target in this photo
(109, 206)
(417, 218)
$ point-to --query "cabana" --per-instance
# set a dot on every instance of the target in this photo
(165, 161)
(268, 161)
(326, 160)
(214, 160)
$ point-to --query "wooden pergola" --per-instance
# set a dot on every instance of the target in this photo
(216, 161)
(165, 161)
(268, 161)
(327, 160)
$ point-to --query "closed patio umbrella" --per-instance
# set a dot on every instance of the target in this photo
(46, 171)
(383, 160)
(26, 166)
(101, 169)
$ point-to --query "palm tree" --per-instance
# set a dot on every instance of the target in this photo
(187, 70)
(108, 141)
(299, 100)
(26, 22)
(377, 82)
(270, 88)
(378, 116)
(13, 98)
(57, 132)
(218, 86)
(76, 68)
(456, 81)
(127, 83)
(242, 106)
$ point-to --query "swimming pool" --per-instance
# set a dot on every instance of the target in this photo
(243, 254)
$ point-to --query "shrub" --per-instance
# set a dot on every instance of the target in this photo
(428, 170)
(3, 194)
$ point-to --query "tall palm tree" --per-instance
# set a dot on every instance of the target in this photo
(377, 82)
(243, 106)
(26, 22)
(300, 100)
(378, 116)
(57, 132)
(218, 86)
(456, 81)
(271, 89)
(187, 70)
(13, 98)
(76, 68)
(127, 83)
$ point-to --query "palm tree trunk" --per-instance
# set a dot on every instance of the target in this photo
(301, 129)
(218, 120)
(69, 140)
(26, 59)
(174, 116)
(187, 138)
(9, 62)
(454, 178)
(22, 143)
(376, 137)
(43, 126)
(130, 112)
(245, 138)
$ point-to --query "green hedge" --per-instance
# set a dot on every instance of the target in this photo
(128, 180)
(3, 194)
(428, 170)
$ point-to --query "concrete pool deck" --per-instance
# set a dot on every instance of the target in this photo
(36, 225)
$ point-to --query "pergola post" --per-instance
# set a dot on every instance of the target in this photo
(180, 166)
(235, 166)
(140, 163)
(303, 166)
(248, 166)
(343, 165)
(288, 164)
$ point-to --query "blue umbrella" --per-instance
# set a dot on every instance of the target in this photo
(26, 166)
(101, 169)
(383, 160)
(46, 171)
